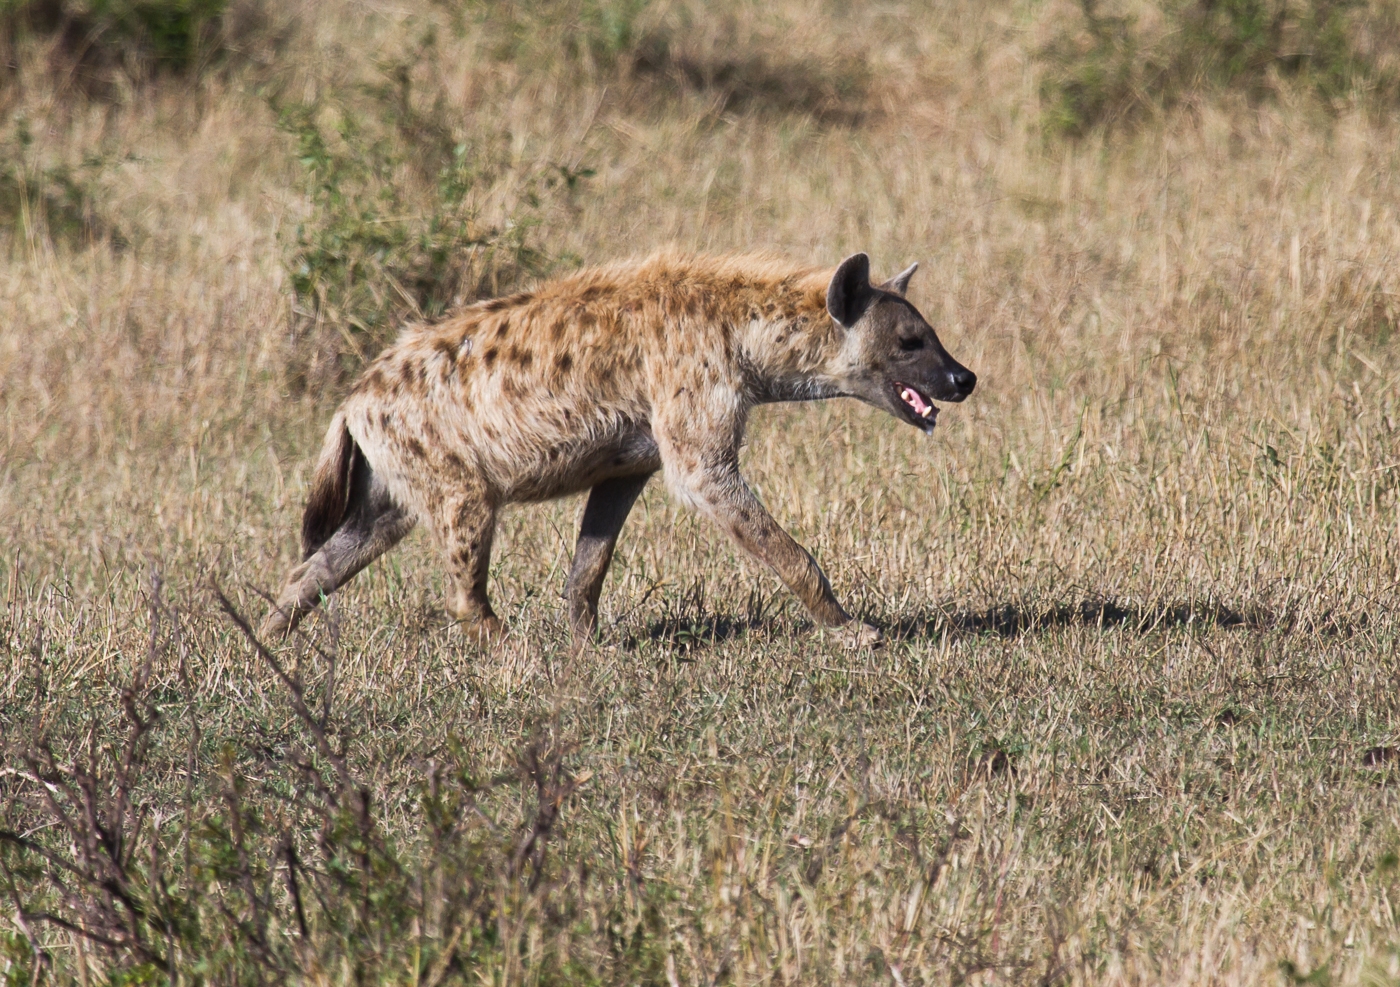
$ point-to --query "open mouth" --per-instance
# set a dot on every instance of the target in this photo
(917, 406)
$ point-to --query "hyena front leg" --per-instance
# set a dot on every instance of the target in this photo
(728, 499)
(710, 480)
(464, 522)
(609, 503)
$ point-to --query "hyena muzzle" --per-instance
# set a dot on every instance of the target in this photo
(594, 382)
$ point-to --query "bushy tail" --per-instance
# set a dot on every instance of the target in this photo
(329, 499)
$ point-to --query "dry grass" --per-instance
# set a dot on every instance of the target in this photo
(1136, 722)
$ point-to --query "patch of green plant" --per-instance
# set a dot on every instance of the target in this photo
(644, 40)
(137, 36)
(1320, 975)
(57, 200)
(596, 35)
(17, 960)
(395, 232)
(1107, 68)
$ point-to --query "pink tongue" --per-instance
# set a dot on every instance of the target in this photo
(911, 397)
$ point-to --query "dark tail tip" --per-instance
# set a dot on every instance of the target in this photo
(330, 488)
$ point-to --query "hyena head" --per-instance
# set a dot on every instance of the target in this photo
(890, 356)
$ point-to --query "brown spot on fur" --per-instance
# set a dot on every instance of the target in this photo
(415, 447)
(564, 362)
(503, 328)
(489, 357)
(446, 349)
(507, 301)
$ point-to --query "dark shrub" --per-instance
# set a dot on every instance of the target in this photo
(1105, 69)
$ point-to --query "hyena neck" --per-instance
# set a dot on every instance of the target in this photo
(790, 352)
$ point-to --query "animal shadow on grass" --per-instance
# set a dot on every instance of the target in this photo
(1020, 618)
(688, 624)
(686, 634)
(689, 632)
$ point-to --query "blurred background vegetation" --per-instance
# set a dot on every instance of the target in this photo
(1137, 721)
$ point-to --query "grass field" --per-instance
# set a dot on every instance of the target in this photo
(1138, 718)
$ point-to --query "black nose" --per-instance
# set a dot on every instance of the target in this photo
(964, 380)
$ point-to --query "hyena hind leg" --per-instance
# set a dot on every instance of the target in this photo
(465, 524)
(609, 503)
(373, 524)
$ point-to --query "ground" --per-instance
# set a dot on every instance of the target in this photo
(1137, 718)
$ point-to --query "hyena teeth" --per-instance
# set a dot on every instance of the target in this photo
(916, 401)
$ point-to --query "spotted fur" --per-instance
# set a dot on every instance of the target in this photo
(594, 382)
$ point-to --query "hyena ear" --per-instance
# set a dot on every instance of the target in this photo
(899, 284)
(849, 292)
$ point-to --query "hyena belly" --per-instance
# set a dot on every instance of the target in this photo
(578, 463)
(505, 450)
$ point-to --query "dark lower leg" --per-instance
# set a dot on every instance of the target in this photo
(609, 503)
(357, 543)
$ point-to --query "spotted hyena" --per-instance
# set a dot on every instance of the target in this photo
(594, 382)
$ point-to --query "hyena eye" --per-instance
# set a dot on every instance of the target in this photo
(910, 343)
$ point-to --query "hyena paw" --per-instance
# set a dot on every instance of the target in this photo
(484, 631)
(276, 625)
(857, 635)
